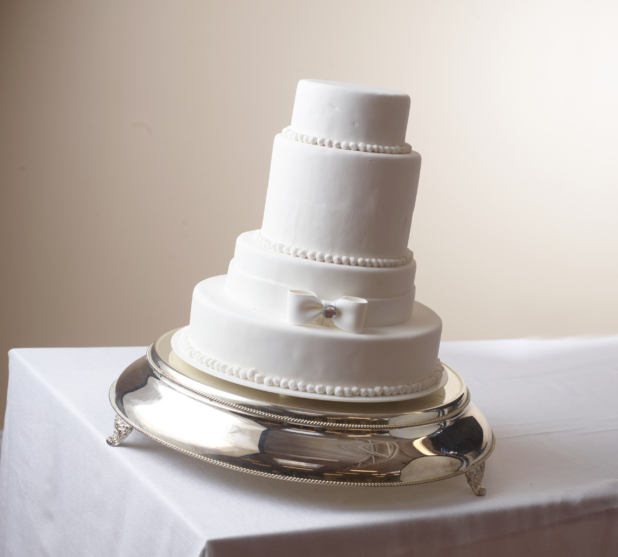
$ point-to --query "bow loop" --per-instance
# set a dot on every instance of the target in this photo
(348, 312)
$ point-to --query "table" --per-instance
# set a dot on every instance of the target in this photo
(552, 482)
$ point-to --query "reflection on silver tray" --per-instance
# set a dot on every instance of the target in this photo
(313, 441)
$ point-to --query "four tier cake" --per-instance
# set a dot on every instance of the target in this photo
(320, 302)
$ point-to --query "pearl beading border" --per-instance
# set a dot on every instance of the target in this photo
(346, 145)
(252, 375)
(328, 258)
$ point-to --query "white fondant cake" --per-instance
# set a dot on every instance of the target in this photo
(320, 301)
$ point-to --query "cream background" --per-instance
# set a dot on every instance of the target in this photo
(135, 142)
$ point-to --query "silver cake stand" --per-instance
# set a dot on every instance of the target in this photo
(386, 444)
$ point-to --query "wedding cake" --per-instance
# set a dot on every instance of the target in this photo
(320, 303)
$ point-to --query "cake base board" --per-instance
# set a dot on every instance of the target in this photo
(385, 444)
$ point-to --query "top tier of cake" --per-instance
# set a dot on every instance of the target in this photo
(342, 181)
(352, 113)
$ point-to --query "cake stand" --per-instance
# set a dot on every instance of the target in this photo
(384, 444)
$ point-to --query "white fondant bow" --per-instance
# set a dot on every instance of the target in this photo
(349, 312)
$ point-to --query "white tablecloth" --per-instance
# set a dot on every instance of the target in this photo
(552, 482)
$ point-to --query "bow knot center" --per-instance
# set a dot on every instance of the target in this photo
(329, 311)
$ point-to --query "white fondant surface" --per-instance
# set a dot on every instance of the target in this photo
(260, 278)
(242, 336)
(340, 202)
(184, 351)
(353, 113)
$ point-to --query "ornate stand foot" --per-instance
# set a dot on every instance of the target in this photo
(475, 477)
(121, 431)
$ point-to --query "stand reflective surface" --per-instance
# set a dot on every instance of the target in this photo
(385, 444)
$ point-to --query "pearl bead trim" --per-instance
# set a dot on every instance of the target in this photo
(328, 258)
(253, 376)
(347, 145)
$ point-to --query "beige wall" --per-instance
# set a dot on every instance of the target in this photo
(135, 141)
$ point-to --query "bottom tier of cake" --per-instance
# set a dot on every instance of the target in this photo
(247, 346)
